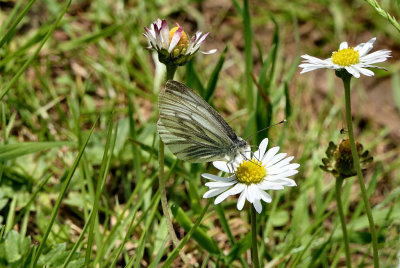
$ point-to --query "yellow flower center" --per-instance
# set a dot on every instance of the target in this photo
(183, 43)
(346, 57)
(250, 172)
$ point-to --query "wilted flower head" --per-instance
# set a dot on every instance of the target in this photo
(355, 60)
(173, 45)
(339, 159)
(251, 177)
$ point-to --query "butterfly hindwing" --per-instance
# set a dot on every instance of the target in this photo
(190, 127)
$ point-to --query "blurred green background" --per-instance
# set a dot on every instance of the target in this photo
(94, 70)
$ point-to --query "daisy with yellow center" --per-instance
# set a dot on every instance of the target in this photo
(355, 60)
(251, 177)
(173, 44)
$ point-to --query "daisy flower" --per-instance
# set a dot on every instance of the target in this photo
(173, 44)
(355, 60)
(267, 170)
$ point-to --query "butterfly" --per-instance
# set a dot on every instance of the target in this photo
(193, 130)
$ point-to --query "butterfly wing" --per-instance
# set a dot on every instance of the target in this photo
(190, 127)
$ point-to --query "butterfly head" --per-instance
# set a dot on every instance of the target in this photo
(239, 147)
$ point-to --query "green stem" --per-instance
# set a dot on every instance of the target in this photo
(171, 69)
(254, 249)
(339, 182)
(163, 192)
(346, 83)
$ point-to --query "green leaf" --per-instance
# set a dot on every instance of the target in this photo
(199, 234)
(239, 248)
(248, 53)
(192, 78)
(280, 218)
(212, 83)
(11, 245)
(21, 70)
(62, 193)
(396, 89)
(12, 151)
(185, 239)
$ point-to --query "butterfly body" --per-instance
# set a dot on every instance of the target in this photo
(193, 130)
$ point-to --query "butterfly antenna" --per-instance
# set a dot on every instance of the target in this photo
(281, 122)
(250, 159)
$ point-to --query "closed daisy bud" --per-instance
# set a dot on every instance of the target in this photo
(339, 160)
(174, 46)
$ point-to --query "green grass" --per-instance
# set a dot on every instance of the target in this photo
(79, 156)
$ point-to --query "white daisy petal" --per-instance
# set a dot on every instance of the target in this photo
(212, 51)
(257, 205)
(275, 159)
(242, 199)
(288, 182)
(219, 184)
(343, 45)
(215, 192)
(283, 182)
(164, 34)
(175, 39)
(271, 152)
(268, 185)
(239, 187)
(217, 178)
(223, 166)
(282, 175)
(264, 196)
(200, 41)
(196, 37)
(282, 163)
(363, 71)
(377, 56)
(259, 154)
(314, 60)
(282, 169)
(191, 44)
(352, 71)
(150, 36)
(251, 192)
(364, 48)
(157, 30)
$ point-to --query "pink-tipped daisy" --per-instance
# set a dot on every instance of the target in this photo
(174, 44)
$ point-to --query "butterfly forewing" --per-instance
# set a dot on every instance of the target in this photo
(190, 127)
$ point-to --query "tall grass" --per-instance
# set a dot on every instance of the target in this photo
(79, 155)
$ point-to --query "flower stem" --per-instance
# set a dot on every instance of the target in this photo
(339, 182)
(254, 249)
(171, 69)
(346, 83)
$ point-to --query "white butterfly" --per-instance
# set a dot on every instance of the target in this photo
(193, 130)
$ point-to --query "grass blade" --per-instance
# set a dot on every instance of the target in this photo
(199, 235)
(12, 151)
(183, 242)
(11, 31)
(248, 54)
(61, 196)
(212, 83)
(28, 62)
(107, 155)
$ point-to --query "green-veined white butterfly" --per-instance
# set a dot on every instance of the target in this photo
(192, 129)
